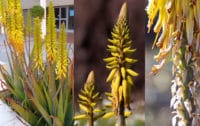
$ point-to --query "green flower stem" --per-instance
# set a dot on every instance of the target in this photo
(121, 118)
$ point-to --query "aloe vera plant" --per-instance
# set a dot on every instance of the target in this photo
(88, 100)
(177, 37)
(39, 90)
(120, 63)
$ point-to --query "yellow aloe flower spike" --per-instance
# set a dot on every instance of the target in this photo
(62, 61)
(51, 35)
(120, 62)
(37, 49)
(15, 26)
(88, 98)
(2, 12)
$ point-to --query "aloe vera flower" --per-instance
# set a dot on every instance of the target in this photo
(37, 49)
(61, 66)
(120, 62)
(88, 99)
(51, 35)
(2, 12)
(15, 26)
(177, 37)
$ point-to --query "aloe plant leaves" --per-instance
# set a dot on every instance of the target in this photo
(36, 94)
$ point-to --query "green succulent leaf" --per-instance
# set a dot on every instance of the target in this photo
(25, 113)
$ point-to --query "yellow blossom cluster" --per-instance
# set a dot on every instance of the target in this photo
(14, 25)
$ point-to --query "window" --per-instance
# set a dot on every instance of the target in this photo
(65, 15)
(71, 18)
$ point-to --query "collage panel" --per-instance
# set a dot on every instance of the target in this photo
(36, 62)
(99, 62)
(109, 40)
(172, 63)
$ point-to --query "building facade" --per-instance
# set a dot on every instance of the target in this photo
(64, 12)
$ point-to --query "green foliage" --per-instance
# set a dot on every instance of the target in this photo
(139, 123)
(37, 11)
(120, 63)
(88, 99)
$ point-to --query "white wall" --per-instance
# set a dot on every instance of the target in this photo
(62, 2)
(26, 4)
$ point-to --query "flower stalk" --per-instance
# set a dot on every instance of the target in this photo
(61, 66)
(2, 12)
(120, 63)
(88, 99)
(15, 26)
(37, 49)
(177, 29)
(51, 35)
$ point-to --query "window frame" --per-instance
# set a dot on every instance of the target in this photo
(60, 18)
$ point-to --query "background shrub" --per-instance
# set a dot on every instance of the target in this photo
(37, 11)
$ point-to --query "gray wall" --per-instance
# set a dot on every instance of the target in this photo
(26, 4)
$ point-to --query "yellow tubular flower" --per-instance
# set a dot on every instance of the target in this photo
(120, 61)
(37, 49)
(88, 98)
(51, 35)
(61, 66)
(177, 36)
(15, 26)
(10, 20)
(176, 18)
(2, 12)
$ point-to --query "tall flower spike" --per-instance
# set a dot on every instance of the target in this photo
(88, 99)
(2, 12)
(177, 36)
(15, 25)
(37, 49)
(120, 62)
(61, 66)
(51, 35)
